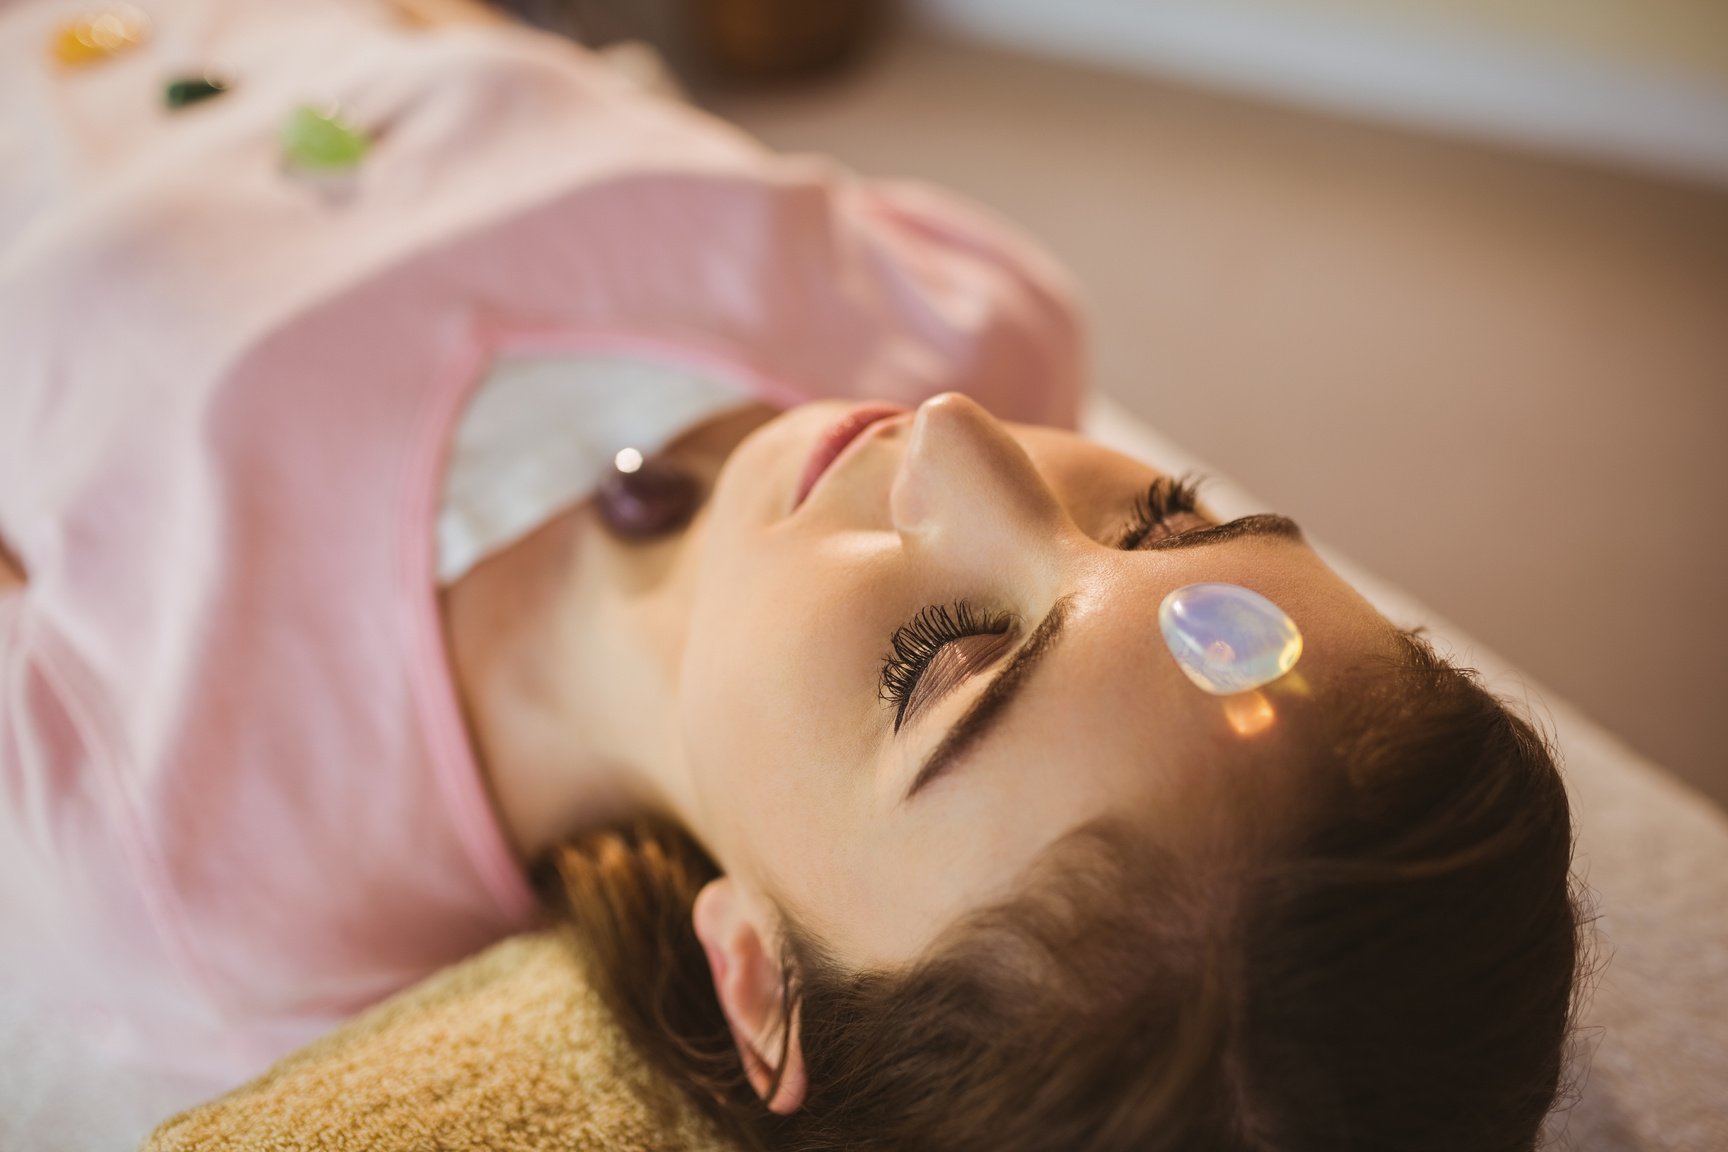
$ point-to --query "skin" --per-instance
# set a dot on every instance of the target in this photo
(729, 678)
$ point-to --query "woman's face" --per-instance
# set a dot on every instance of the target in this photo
(879, 815)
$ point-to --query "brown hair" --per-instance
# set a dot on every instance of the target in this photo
(1398, 972)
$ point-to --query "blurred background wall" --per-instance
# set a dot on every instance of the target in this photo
(1662, 34)
(1639, 81)
(1447, 282)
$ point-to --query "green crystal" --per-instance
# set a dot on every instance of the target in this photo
(192, 89)
(318, 138)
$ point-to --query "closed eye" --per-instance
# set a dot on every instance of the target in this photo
(936, 651)
(1160, 510)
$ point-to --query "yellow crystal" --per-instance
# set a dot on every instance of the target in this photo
(100, 34)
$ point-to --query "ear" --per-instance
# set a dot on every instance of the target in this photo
(736, 930)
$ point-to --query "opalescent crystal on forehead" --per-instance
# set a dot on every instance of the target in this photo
(1228, 639)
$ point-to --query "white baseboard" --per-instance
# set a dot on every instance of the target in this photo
(1440, 78)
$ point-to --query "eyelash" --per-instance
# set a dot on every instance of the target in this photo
(1164, 499)
(916, 643)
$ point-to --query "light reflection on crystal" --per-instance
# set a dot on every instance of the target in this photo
(1249, 713)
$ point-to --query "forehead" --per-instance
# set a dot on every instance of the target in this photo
(1117, 604)
(1126, 726)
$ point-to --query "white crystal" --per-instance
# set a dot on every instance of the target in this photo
(1227, 638)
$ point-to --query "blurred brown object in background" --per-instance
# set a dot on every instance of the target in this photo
(722, 43)
(769, 39)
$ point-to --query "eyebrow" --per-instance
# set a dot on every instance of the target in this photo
(1261, 524)
(992, 703)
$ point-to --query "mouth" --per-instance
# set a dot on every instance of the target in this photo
(839, 436)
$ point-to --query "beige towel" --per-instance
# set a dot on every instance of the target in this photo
(510, 1051)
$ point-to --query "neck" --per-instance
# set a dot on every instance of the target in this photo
(566, 648)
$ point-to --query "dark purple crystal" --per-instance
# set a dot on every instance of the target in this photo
(654, 500)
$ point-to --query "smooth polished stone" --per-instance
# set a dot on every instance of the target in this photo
(99, 34)
(641, 499)
(1228, 639)
(319, 140)
(191, 90)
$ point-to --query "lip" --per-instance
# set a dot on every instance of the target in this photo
(838, 437)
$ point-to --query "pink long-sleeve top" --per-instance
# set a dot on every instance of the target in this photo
(237, 798)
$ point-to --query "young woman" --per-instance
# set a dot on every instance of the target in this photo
(842, 721)
(979, 865)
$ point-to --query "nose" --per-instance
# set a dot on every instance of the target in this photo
(968, 495)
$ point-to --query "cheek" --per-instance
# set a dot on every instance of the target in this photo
(778, 705)
(1094, 485)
